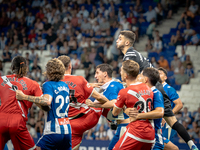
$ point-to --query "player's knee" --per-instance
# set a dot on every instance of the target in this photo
(38, 148)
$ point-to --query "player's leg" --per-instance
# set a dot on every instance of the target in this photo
(19, 134)
(174, 124)
(121, 129)
(66, 143)
(82, 124)
(4, 132)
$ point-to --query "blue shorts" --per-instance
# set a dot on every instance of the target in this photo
(158, 146)
(116, 137)
(168, 133)
(55, 141)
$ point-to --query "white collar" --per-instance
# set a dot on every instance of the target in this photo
(136, 83)
(164, 84)
(106, 85)
(153, 88)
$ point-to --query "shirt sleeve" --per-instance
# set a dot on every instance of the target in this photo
(158, 100)
(120, 99)
(172, 94)
(37, 90)
(47, 89)
(87, 88)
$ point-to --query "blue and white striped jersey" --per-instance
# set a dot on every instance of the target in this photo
(110, 91)
(59, 91)
(171, 92)
(158, 101)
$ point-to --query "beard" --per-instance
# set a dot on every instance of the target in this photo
(120, 47)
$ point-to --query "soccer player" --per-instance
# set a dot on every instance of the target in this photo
(110, 89)
(13, 113)
(139, 134)
(82, 117)
(176, 105)
(57, 131)
(125, 43)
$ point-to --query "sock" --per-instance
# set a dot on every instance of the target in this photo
(183, 133)
(190, 143)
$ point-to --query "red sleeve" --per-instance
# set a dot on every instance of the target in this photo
(87, 88)
(37, 91)
(120, 99)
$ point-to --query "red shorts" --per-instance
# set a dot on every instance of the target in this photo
(82, 124)
(129, 141)
(13, 126)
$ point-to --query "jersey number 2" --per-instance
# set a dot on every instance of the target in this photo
(66, 100)
(139, 105)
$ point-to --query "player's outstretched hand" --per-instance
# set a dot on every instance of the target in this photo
(133, 112)
(19, 95)
(98, 85)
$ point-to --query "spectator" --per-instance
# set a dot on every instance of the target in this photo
(175, 64)
(33, 44)
(6, 55)
(46, 24)
(31, 35)
(75, 62)
(40, 14)
(1, 68)
(64, 50)
(159, 12)
(183, 55)
(38, 25)
(66, 18)
(33, 55)
(187, 60)
(19, 13)
(181, 78)
(194, 131)
(177, 39)
(197, 117)
(4, 20)
(157, 45)
(83, 44)
(154, 62)
(24, 43)
(193, 8)
(149, 46)
(50, 36)
(99, 59)
(84, 12)
(195, 39)
(61, 31)
(92, 55)
(15, 42)
(150, 14)
(163, 63)
(29, 19)
(189, 70)
(104, 25)
(72, 44)
(54, 49)
(138, 7)
(85, 25)
(3, 40)
(74, 20)
(36, 4)
(10, 14)
(41, 43)
(87, 65)
(15, 53)
(187, 33)
(150, 29)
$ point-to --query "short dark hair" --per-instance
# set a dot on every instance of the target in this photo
(163, 70)
(65, 60)
(152, 74)
(18, 66)
(129, 35)
(131, 67)
(106, 68)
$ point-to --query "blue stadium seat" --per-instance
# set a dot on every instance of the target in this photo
(176, 87)
(170, 73)
(143, 27)
(173, 31)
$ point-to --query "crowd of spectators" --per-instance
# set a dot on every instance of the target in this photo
(86, 31)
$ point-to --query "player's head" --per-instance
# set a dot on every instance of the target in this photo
(66, 61)
(18, 66)
(163, 74)
(103, 72)
(126, 39)
(151, 76)
(55, 70)
(129, 70)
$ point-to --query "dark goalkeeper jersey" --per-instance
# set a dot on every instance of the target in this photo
(134, 55)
